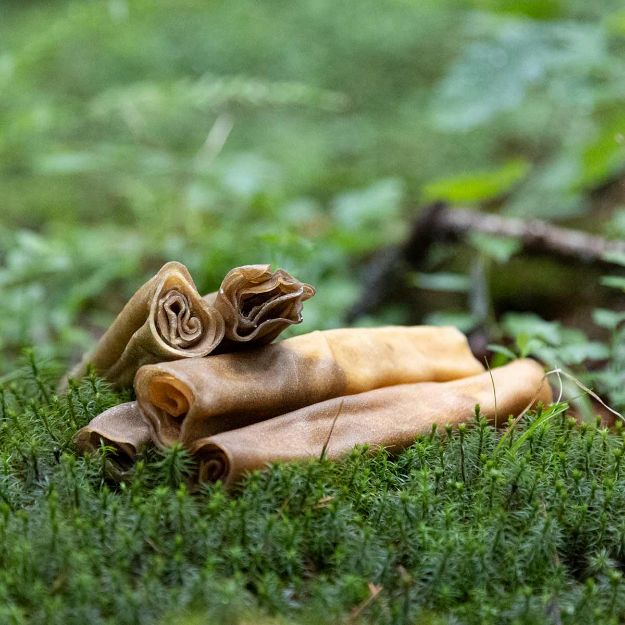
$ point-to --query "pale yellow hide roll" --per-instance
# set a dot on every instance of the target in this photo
(257, 304)
(122, 428)
(193, 398)
(389, 417)
(166, 319)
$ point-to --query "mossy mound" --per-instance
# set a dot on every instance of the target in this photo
(521, 525)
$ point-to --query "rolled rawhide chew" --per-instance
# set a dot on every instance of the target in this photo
(165, 319)
(388, 417)
(122, 428)
(190, 399)
(257, 304)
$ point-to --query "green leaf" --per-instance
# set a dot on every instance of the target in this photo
(504, 351)
(615, 282)
(537, 9)
(500, 249)
(616, 23)
(528, 345)
(608, 319)
(453, 282)
(477, 186)
(605, 156)
(618, 258)
(577, 353)
(532, 326)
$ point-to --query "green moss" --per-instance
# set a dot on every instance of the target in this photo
(466, 526)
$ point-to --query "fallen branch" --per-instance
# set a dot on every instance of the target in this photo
(439, 223)
(536, 236)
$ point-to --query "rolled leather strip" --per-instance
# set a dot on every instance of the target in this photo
(166, 319)
(190, 399)
(121, 428)
(389, 417)
(258, 304)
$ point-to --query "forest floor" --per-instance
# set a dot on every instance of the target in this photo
(475, 525)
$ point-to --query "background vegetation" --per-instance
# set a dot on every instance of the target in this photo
(307, 134)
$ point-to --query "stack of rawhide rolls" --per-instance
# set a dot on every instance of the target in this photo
(208, 375)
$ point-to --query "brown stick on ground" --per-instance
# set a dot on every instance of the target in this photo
(439, 222)
(536, 236)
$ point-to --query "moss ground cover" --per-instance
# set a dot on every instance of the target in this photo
(520, 525)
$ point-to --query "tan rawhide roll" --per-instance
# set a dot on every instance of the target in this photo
(389, 417)
(189, 399)
(121, 428)
(258, 304)
(166, 319)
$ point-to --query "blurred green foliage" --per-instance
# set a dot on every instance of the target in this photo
(302, 133)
